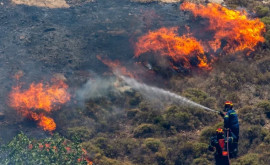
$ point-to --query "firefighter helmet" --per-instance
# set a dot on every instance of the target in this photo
(219, 131)
(228, 105)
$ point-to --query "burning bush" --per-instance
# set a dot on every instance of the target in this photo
(166, 42)
(39, 100)
(231, 31)
(233, 26)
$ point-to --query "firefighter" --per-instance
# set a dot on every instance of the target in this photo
(231, 125)
(218, 144)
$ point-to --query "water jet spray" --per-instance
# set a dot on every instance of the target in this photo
(161, 93)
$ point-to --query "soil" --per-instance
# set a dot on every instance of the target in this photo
(43, 3)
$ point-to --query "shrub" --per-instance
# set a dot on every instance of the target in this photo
(149, 116)
(250, 137)
(201, 161)
(262, 11)
(251, 115)
(101, 142)
(199, 149)
(267, 34)
(105, 145)
(186, 152)
(233, 97)
(152, 144)
(125, 145)
(248, 159)
(265, 105)
(135, 100)
(254, 132)
(200, 117)
(108, 161)
(207, 132)
(236, 3)
(144, 106)
(267, 139)
(265, 158)
(132, 113)
(144, 130)
(196, 95)
(266, 20)
(91, 148)
(181, 120)
(79, 134)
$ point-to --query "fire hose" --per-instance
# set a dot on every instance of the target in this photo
(228, 146)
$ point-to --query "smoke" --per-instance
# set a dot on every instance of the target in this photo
(95, 88)
(164, 95)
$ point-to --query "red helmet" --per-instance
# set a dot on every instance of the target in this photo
(219, 131)
(229, 103)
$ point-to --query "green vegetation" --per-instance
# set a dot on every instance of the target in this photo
(53, 150)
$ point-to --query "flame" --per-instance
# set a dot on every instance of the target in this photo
(239, 31)
(89, 162)
(47, 123)
(38, 100)
(116, 66)
(166, 42)
(232, 31)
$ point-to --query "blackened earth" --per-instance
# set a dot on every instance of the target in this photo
(42, 41)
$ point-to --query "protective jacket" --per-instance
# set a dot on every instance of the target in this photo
(217, 142)
(231, 122)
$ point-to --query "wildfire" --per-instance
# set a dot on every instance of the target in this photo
(39, 100)
(46, 123)
(232, 31)
(239, 31)
(166, 42)
(116, 66)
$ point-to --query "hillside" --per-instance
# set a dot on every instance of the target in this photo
(64, 101)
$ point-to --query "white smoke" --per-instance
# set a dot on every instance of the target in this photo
(95, 88)
(161, 94)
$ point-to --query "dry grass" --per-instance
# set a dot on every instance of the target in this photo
(174, 1)
(164, 1)
(216, 1)
(43, 3)
(78, 2)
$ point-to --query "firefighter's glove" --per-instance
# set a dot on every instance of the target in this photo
(221, 114)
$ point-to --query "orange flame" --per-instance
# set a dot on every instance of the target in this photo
(40, 99)
(166, 42)
(46, 123)
(89, 162)
(116, 66)
(235, 27)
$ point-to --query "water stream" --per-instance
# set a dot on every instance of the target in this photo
(162, 94)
